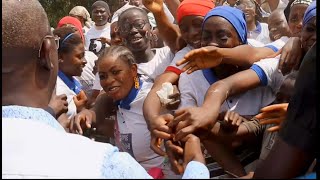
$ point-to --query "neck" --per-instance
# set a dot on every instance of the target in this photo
(251, 25)
(25, 97)
(144, 56)
(101, 27)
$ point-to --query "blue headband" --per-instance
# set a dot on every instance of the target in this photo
(310, 13)
(235, 16)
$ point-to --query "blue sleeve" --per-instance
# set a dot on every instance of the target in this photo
(196, 170)
(275, 49)
(261, 74)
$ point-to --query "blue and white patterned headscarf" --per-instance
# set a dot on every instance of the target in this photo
(310, 13)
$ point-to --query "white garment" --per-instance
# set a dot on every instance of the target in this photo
(194, 86)
(149, 70)
(278, 44)
(94, 33)
(261, 33)
(62, 88)
(87, 77)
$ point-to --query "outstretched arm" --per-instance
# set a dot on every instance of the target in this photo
(211, 56)
(168, 32)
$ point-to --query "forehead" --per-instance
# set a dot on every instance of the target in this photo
(191, 18)
(108, 62)
(298, 9)
(99, 8)
(132, 15)
(246, 2)
(216, 23)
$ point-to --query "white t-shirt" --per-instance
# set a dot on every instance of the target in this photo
(194, 86)
(132, 134)
(62, 88)
(96, 32)
(278, 44)
(149, 70)
(261, 33)
(87, 77)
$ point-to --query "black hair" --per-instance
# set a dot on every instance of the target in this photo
(143, 11)
(287, 10)
(258, 10)
(68, 39)
(118, 52)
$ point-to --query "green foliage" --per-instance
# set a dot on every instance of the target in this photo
(56, 9)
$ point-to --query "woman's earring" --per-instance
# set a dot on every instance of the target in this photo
(136, 82)
(154, 37)
(60, 60)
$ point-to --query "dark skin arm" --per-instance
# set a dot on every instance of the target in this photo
(188, 120)
(293, 164)
(211, 56)
(169, 32)
(173, 6)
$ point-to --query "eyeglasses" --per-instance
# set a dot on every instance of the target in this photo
(56, 40)
(242, 6)
(138, 24)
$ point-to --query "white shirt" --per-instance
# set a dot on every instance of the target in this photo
(87, 77)
(35, 149)
(96, 32)
(278, 44)
(194, 86)
(149, 70)
(261, 33)
(62, 88)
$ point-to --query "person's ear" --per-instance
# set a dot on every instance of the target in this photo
(134, 69)
(44, 55)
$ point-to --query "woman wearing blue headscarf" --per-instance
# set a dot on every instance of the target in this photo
(225, 88)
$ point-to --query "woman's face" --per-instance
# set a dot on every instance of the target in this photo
(218, 31)
(133, 27)
(100, 16)
(190, 27)
(309, 34)
(73, 62)
(248, 8)
(116, 77)
(278, 26)
(295, 18)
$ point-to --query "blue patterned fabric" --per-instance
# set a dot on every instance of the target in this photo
(30, 113)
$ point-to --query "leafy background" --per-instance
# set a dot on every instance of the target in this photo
(56, 9)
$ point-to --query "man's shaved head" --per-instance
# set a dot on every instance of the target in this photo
(24, 24)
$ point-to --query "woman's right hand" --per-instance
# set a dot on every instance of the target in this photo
(155, 6)
(82, 121)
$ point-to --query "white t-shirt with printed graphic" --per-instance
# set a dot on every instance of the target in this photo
(94, 33)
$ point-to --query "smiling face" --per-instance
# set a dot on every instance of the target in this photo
(73, 62)
(134, 26)
(190, 27)
(278, 25)
(100, 16)
(309, 34)
(295, 18)
(116, 77)
(248, 8)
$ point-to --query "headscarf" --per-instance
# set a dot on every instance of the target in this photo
(82, 12)
(194, 7)
(310, 13)
(307, 2)
(235, 16)
(74, 21)
(101, 4)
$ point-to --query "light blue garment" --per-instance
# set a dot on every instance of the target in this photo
(310, 13)
(308, 176)
(30, 113)
(34, 146)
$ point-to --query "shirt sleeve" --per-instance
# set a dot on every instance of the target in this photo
(96, 83)
(196, 170)
(278, 44)
(267, 71)
(177, 57)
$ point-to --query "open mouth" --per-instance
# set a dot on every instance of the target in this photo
(113, 89)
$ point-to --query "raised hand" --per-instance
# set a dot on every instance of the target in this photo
(159, 132)
(155, 6)
(80, 100)
(175, 156)
(104, 40)
(273, 114)
(82, 121)
(205, 57)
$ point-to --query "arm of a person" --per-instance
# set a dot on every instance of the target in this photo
(152, 104)
(173, 6)
(168, 31)
(273, 4)
(232, 85)
(245, 55)
(293, 164)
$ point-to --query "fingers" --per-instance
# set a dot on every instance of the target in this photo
(227, 116)
(156, 147)
(174, 96)
(161, 134)
(184, 132)
(173, 159)
(188, 66)
(275, 107)
(282, 59)
(193, 69)
(177, 119)
(272, 121)
(175, 148)
(273, 129)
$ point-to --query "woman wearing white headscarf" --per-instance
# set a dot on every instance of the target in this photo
(83, 15)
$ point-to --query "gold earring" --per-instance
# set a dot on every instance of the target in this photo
(136, 82)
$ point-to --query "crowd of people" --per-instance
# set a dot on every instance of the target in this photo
(152, 89)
